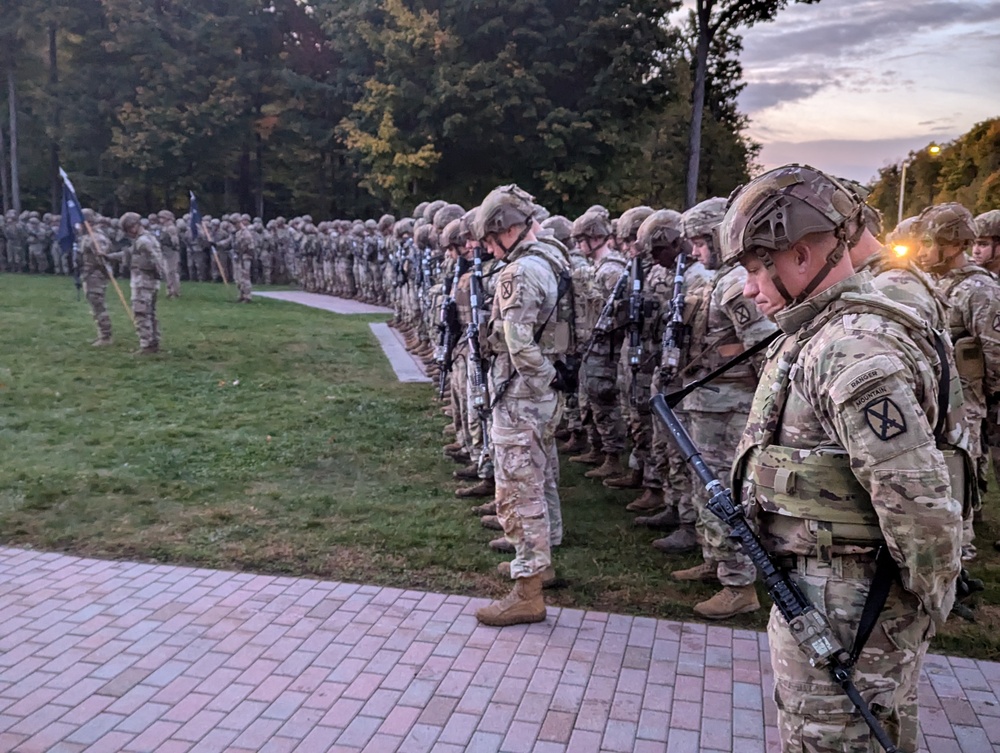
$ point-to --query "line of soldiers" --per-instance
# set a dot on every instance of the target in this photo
(853, 400)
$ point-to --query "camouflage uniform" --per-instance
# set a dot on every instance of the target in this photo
(838, 460)
(147, 269)
(39, 240)
(243, 253)
(94, 275)
(170, 247)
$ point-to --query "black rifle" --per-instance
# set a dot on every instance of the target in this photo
(604, 321)
(810, 628)
(477, 366)
(635, 322)
(675, 333)
(448, 329)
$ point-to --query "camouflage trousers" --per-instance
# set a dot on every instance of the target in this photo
(241, 270)
(60, 261)
(481, 455)
(640, 423)
(94, 287)
(527, 480)
(814, 715)
(599, 384)
(266, 267)
(678, 489)
(147, 327)
(459, 404)
(717, 435)
(38, 259)
(172, 261)
(991, 436)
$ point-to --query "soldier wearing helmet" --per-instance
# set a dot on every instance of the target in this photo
(147, 269)
(92, 260)
(645, 275)
(946, 231)
(244, 248)
(591, 234)
(720, 325)
(39, 239)
(986, 246)
(845, 405)
(170, 246)
(528, 336)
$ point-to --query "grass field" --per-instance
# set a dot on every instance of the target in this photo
(274, 438)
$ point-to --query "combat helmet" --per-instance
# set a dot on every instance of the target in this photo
(902, 239)
(431, 209)
(701, 221)
(418, 210)
(503, 208)
(591, 225)
(661, 234)
(560, 227)
(988, 224)
(628, 224)
(453, 235)
(385, 223)
(446, 214)
(778, 209)
(403, 227)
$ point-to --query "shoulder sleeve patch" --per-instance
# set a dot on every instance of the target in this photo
(860, 381)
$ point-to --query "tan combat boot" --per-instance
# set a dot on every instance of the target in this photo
(684, 539)
(501, 544)
(467, 473)
(485, 488)
(453, 449)
(703, 573)
(730, 601)
(661, 521)
(591, 457)
(489, 508)
(651, 499)
(575, 442)
(611, 466)
(628, 480)
(522, 605)
(548, 574)
(492, 522)
(100, 342)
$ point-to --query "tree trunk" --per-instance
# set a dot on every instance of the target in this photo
(15, 182)
(697, 106)
(56, 193)
(259, 198)
(4, 175)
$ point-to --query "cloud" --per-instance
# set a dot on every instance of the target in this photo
(769, 93)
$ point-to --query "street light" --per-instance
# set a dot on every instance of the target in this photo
(933, 150)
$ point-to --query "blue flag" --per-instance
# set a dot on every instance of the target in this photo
(71, 214)
(195, 216)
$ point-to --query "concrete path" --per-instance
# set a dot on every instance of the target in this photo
(325, 302)
(407, 368)
(118, 656)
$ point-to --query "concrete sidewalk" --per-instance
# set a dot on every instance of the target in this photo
(118, 656)
(325, 302)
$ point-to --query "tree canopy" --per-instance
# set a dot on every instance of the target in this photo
(966, 170)
(352, 107)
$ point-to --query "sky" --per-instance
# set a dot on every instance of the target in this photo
(849, 86)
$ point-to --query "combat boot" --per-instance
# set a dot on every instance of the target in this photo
(524, 604)
(468, 473)
(662, 521)
(101, 342)
(730, 601)
(611, 467)
(502, 545)
(548, 574)
(703, 573)
(487, 508)
(575, 442)
(684, 539)
(562, 435)
(492, 522)
(453, 449)
(485, 488)
(651, 499)
(630, 480)
(591, 457)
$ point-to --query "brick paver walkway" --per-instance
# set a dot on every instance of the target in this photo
(118, 656)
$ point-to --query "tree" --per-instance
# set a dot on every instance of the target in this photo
(712, 20)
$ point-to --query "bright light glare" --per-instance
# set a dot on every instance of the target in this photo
(900, 250)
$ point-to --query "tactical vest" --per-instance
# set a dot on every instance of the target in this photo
(818, 486)
(969, 357)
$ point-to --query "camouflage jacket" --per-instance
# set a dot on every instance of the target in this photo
(525, 302)
(723, 324)
(841, 428)
(145, 258)
(904, 282)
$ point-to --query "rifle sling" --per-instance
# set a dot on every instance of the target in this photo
(886, 572)
(674, 398)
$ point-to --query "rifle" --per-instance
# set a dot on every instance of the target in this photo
(604, 322)
(810, 628)
(477, 372)
(675, 333)
(448, 329)
(635, 322)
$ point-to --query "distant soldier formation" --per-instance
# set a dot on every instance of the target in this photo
(847, 389)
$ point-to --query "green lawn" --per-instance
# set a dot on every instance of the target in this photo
(274, 438)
